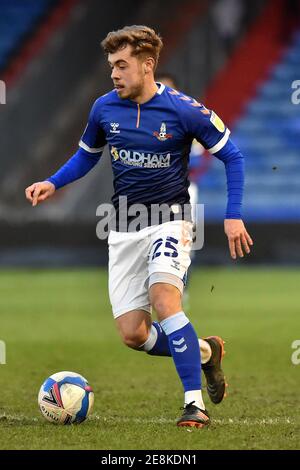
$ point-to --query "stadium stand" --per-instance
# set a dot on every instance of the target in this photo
(268, 134)
(17, 21)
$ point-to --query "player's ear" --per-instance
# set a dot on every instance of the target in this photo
(148, 65)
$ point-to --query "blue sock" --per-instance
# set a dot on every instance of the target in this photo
(184, 346)
(161, 346)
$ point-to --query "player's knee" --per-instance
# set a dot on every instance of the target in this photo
(134, 340)
(166, 300)
(160, 304)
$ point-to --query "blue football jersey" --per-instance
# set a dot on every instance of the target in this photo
(150, 143)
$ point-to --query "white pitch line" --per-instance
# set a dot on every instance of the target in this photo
(227, 421)
(21, 419)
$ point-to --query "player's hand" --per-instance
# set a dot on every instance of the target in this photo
(239, 239)
(39, 192)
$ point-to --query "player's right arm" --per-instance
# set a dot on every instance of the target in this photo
(89, 152)
(38, 192)
(212, 133)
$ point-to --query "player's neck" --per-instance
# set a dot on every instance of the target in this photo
(148, 92)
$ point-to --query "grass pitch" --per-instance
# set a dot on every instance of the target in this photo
(61, 320)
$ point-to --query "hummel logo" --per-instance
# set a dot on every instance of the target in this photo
(179, 343)
(114, 129)
(176, 264)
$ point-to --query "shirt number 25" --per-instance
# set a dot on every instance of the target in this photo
(166, 247)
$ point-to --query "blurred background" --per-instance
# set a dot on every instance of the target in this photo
(238, 57)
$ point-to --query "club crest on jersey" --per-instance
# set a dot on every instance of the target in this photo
(162, 134)
(114, 128)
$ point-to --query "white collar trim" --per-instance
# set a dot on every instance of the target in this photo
(161, 88)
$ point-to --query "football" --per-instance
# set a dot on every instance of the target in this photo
(66, 398)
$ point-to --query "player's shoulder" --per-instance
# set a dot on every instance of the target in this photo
(102, 102)
(187, 105)
(108, 98)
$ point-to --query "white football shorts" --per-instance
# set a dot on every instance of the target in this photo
(158, 253)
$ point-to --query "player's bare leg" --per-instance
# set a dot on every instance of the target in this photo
(139, 332)
(134, 328)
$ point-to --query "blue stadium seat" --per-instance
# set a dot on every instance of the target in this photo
(18, 18)
(268, 134)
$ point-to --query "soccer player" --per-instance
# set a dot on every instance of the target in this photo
(149, 129)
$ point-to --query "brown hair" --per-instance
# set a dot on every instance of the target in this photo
(144, 41)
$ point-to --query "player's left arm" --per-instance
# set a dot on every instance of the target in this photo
(239, 240)
(211, 132)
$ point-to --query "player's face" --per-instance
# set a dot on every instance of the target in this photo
(127, 73)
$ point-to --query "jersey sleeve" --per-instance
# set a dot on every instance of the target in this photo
(93, 139)
(90, 149)
(206, 126)
(211, 132)
(76, 167)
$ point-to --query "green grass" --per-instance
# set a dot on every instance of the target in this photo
(61, 320)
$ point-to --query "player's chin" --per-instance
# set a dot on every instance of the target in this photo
(122, 93)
